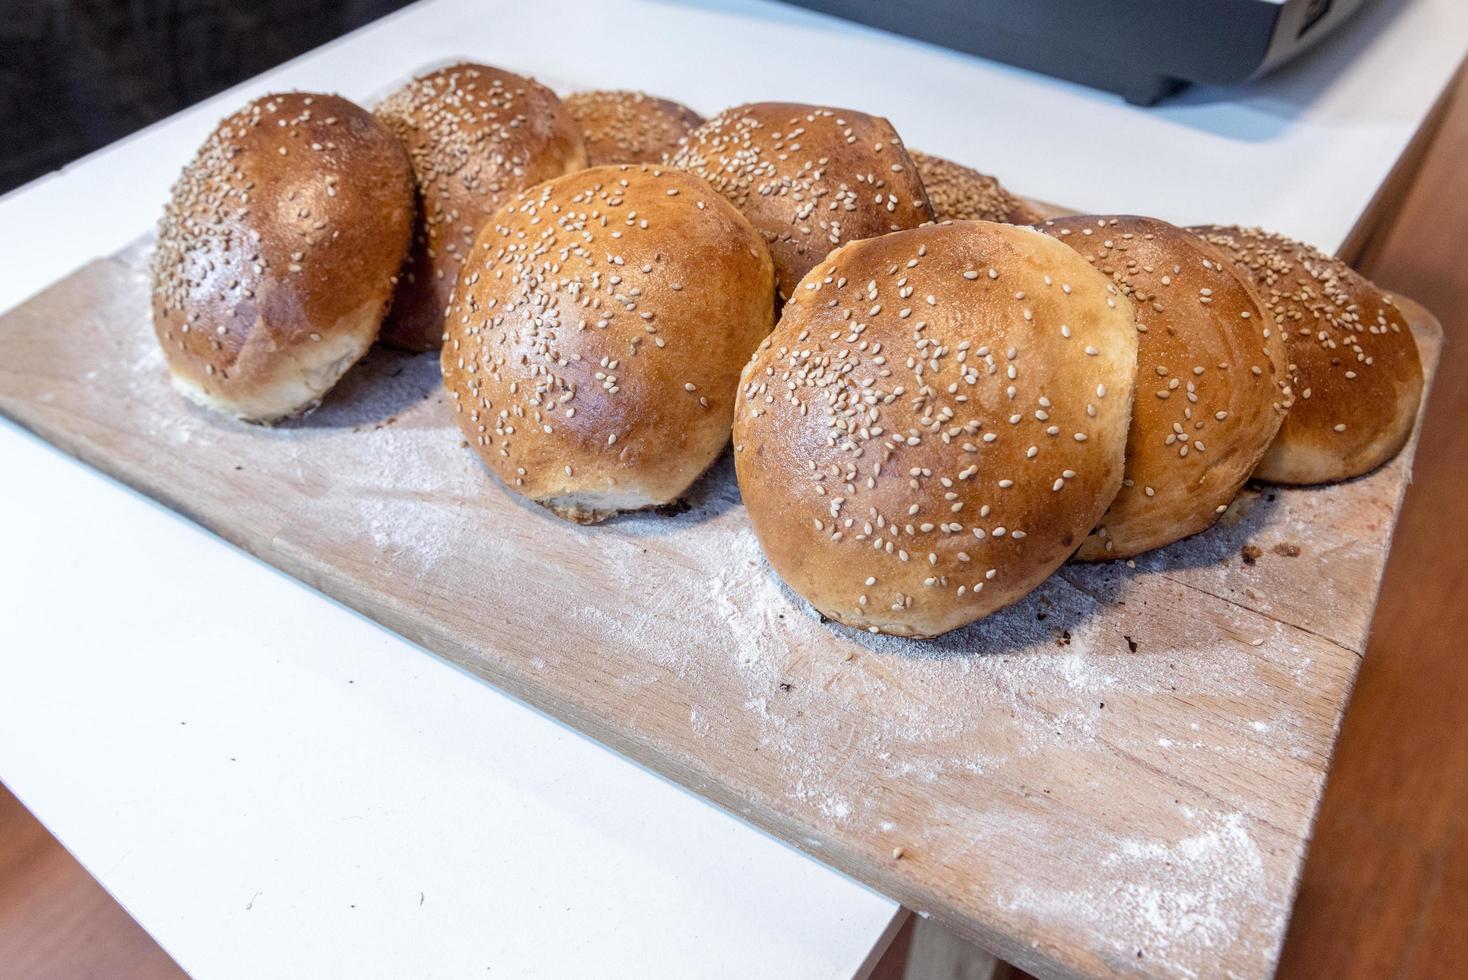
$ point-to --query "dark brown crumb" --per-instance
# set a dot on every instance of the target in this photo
(1251, 553)
(1287, 550)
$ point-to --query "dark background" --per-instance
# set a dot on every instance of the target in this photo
(76, 75)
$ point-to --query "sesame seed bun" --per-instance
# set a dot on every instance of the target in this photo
(630, 127)
(960, 193)
(278, 252)
(809, 178)
(1355, 373)
(1211, 370)
(937, 422)
(594, 347)
(475, 135)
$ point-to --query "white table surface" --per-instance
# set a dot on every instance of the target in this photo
(275, 786)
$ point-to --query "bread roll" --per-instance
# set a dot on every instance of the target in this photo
(476, 135)
(936, 423)
(1211, 372)
(808, 177)
(1355, 371)
(960, 193)
(595, 343)
(277, 254)
(629, 127)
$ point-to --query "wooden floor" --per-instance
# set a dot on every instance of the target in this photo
(56, 921)
(1385, 890)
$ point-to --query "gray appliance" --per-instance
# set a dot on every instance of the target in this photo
(1142, 49)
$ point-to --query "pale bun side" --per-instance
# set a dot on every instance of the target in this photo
(291, 383)
(594, 346)
(1211, 379)
(960, 193)
(1356, 375)
(278, 252)
(810, 178)
(629, 127)
(936, 423)
(475, 136)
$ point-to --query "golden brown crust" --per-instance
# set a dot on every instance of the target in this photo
(475, 135)
(278, 252)
(1211, 379)
(1355, 371)
(960, 193)
(810, 178)
(594, 348)
(936, 423)
(630, 127)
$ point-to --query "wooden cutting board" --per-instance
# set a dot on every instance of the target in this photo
(1116, 776)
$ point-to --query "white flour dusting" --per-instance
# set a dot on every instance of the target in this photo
(1163, 896)
(1106, 692)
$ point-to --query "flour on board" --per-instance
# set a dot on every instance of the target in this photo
(1163, 895)
(1013, 729)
